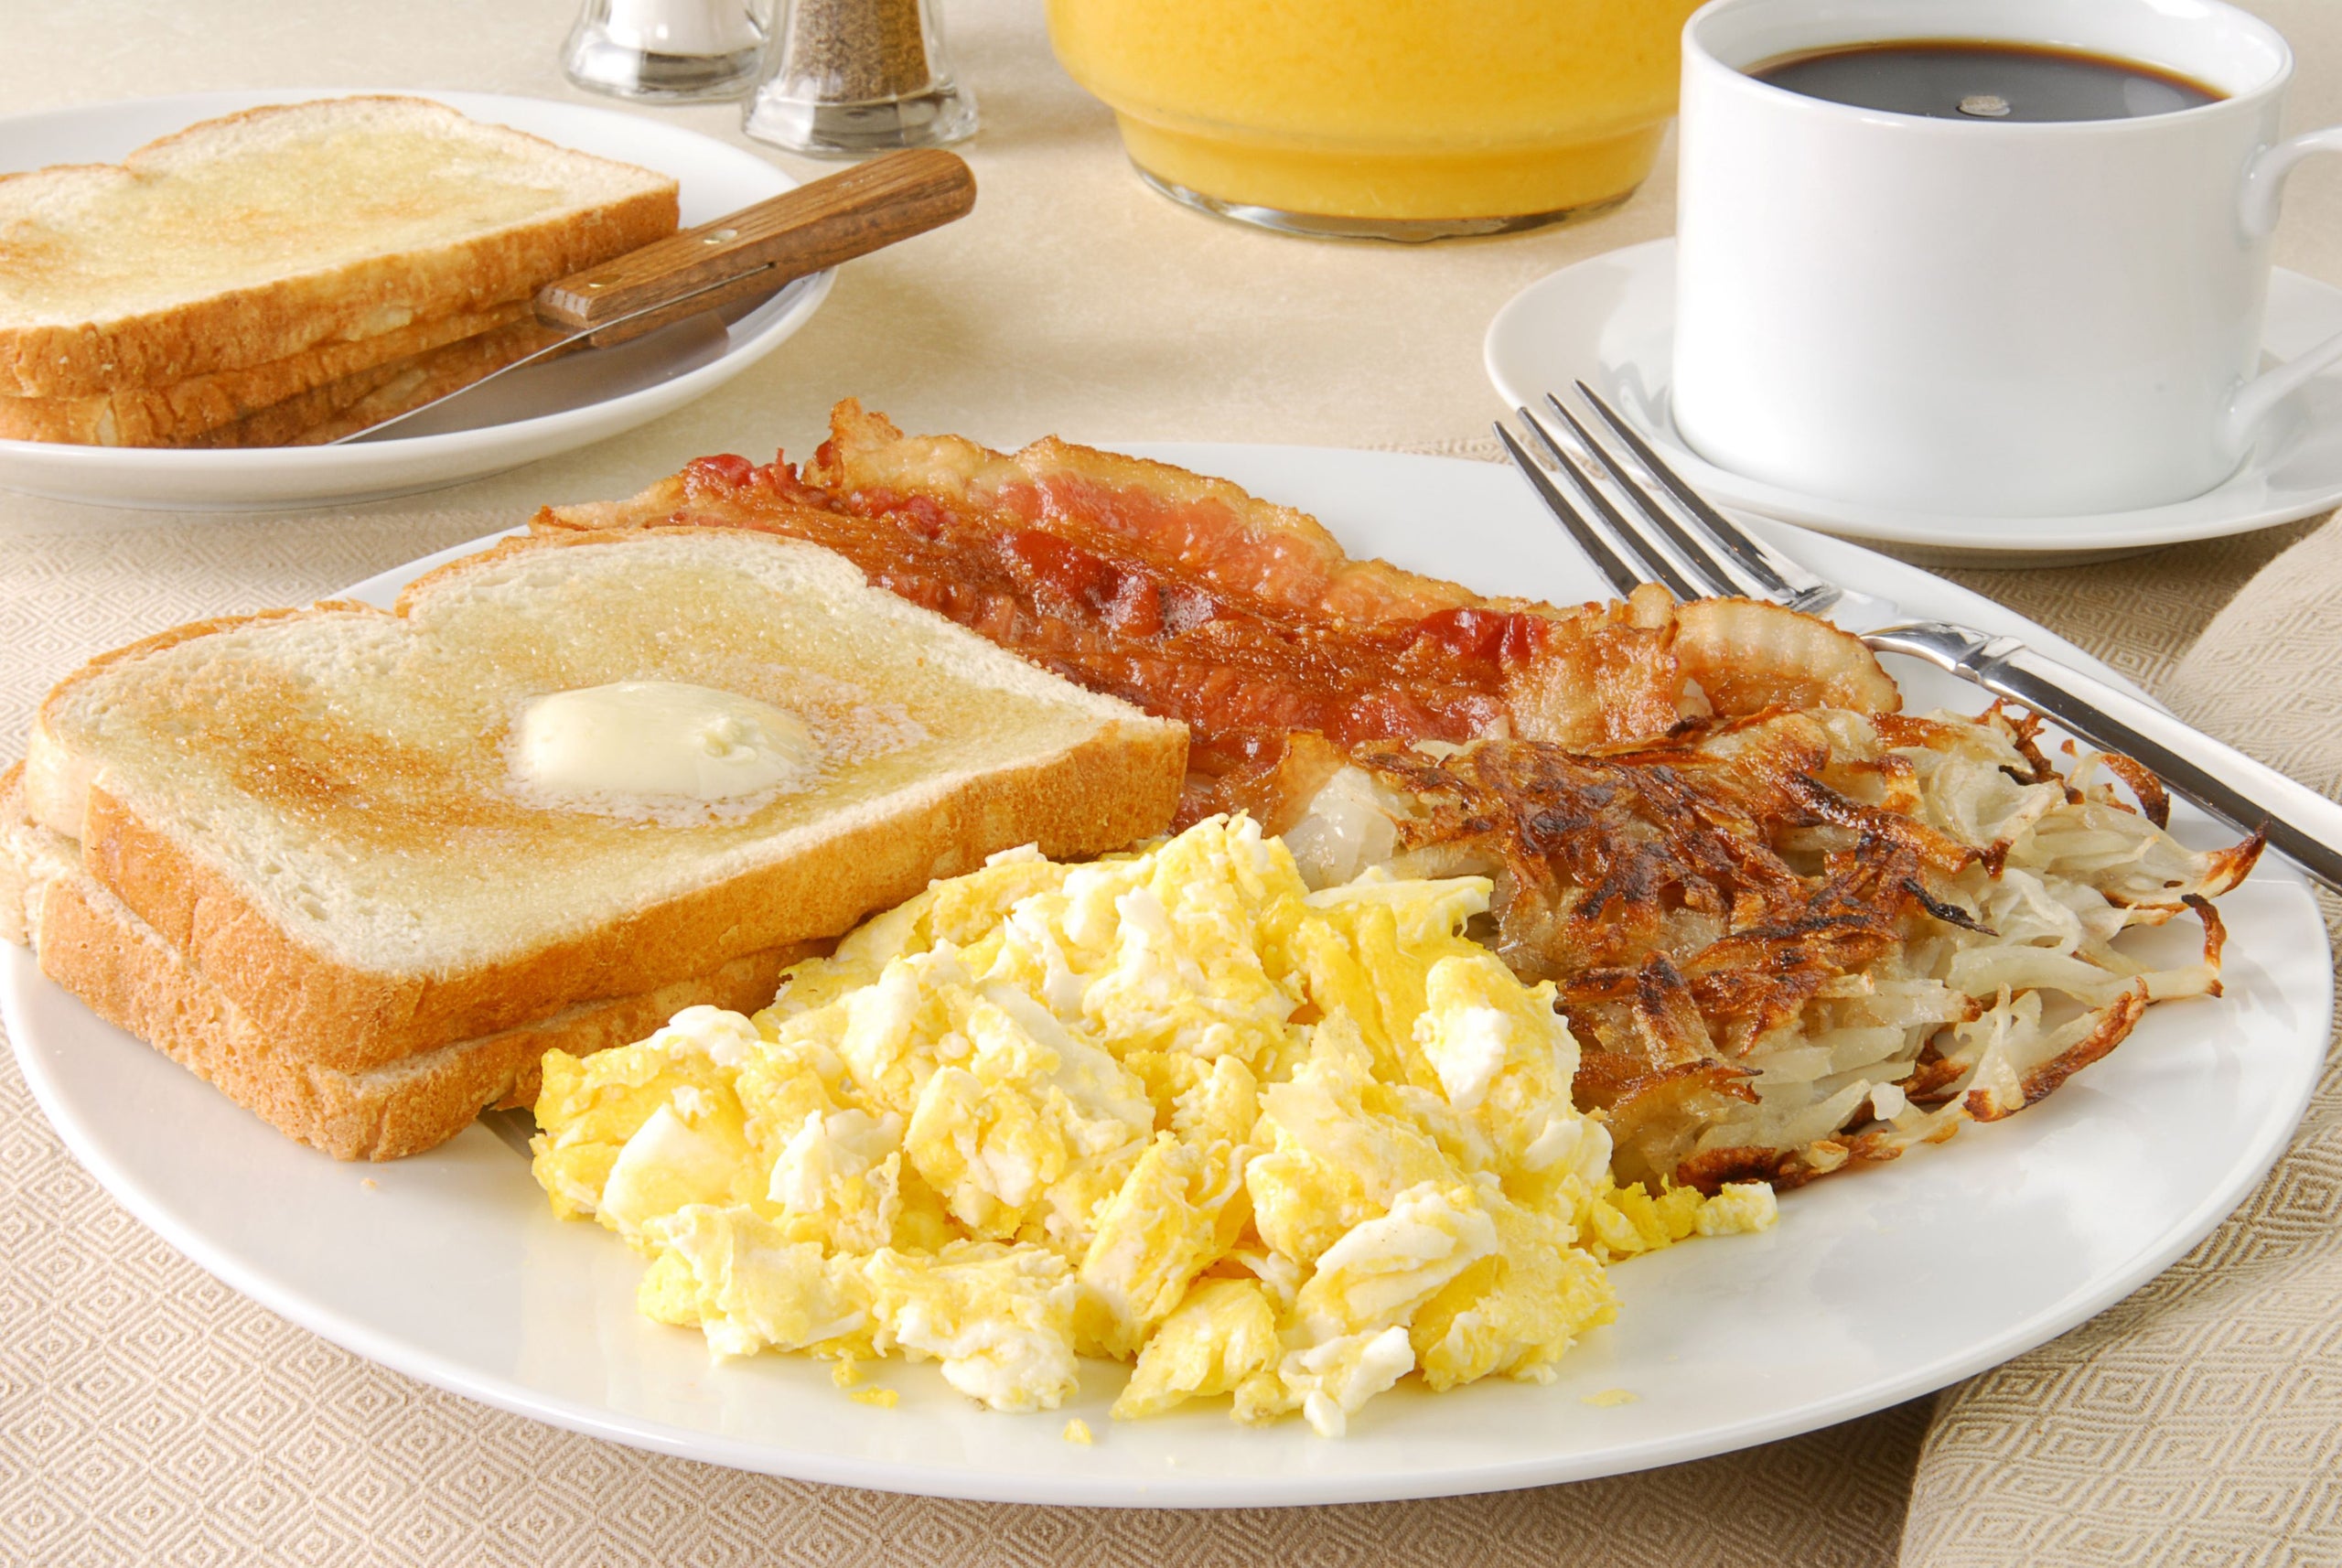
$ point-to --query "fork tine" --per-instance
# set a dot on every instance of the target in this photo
(1719, 530)
(1715, 574)
(1607, 521)
(1624, 580)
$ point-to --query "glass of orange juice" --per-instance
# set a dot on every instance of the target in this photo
(1384, 119)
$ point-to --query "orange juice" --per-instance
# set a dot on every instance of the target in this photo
(1383, 116)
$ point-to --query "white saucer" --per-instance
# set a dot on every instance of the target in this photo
(1609, 322)
(536, 411)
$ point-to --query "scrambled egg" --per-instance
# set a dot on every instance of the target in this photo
(1280, 1145)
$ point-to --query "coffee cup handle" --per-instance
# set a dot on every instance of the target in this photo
(2264, 190)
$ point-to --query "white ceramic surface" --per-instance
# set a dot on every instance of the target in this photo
(535, 412)
(1993, 317)
(1875, 1287)
(1609, 321)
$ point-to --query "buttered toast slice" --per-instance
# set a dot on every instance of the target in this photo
(88, 942)
(331, 812)
(364, 399)
(178, 412)
(247, 240)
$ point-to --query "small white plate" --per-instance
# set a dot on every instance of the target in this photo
(1609, 321)
(536, 411)
(1875, 1287)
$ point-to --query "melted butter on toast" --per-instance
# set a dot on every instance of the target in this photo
(628, 745)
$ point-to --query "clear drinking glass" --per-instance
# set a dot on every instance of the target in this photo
(673, 50)
(847, 77)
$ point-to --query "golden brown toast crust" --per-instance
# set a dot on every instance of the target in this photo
(176, 413)
(365, 399)
(1119, 786)
(92, 945)
(97, 948)
(135, 980)
(255, 326)
(280, 318)
(1076, 806)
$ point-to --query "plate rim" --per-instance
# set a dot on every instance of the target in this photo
(77, 472)
(1509, 339)
(1066, 1487)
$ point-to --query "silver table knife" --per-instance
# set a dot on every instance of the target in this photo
(745, 254)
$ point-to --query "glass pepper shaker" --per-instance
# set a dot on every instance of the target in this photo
(847, 77)
(673, 50)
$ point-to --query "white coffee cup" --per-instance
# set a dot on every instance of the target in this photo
(1983, 317)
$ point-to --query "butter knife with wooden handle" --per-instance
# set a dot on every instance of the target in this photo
(743, 255)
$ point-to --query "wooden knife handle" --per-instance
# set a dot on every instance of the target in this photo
(760, 248)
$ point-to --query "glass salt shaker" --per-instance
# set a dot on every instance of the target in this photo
(847, 77)
(673, 50)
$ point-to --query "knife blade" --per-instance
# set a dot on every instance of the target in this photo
(754, 252)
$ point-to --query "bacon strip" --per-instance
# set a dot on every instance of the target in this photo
(1242, 619)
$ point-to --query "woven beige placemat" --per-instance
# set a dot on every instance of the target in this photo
(150, 1415)
(2199, 1421)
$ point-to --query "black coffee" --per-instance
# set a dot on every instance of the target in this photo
(1951, 78)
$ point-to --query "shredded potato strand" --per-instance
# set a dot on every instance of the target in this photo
(1799, 941)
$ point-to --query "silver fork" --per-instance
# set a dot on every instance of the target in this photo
(1669, 534)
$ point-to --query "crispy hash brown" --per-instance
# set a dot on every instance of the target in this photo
(1794, 929)
(1803, 939)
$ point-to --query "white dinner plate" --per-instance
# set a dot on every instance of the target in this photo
(537, 411)
(1609, 321)
(1876, 1286)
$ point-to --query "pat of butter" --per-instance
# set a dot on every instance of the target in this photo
(658, 739)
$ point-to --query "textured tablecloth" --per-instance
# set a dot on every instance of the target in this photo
(2200, 1420)
(149, 1415)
